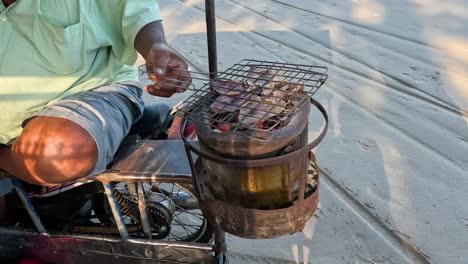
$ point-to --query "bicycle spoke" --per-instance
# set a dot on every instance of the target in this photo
(188, 227)
(183, 225)
(187, 232)
(172, 190)
(177, 224)
(178, 237)
(198, 216)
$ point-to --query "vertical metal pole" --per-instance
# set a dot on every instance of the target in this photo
(194, 173)
(142, 209)
(211, 37)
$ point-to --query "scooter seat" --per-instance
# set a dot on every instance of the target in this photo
(154, 116)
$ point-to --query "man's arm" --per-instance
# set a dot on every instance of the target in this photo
(165, 67)
(152, 33)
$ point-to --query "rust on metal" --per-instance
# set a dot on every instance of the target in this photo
(194, 147)
(261, 187)
(258, 198)
(239, 145)
(173, 133)
(148, 160)
(97, 249)
(260, 224)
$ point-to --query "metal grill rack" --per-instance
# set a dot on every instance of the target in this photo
(252, 96)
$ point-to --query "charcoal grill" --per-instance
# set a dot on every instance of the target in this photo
(255, 181)
(256, 178)
(258, 198)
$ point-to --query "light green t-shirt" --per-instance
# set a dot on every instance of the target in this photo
(50, 49)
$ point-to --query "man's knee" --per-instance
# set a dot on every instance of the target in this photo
(52, 151)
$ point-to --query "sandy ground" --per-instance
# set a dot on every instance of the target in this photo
(395, 160)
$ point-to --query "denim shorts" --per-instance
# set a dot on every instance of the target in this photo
(107, 113)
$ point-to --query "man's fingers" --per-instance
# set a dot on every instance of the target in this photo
(175, 79)
(157, 92)
(162, 94)
(177, 63)
(170, 85)
(184, 80)
(163, 63)
(168, 71)
(160, 63)
(161, 89)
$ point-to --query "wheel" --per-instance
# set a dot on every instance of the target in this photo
(188, 223)
(173, 212)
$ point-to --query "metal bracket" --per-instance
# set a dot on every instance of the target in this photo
(29, 207)
(142, 209)
(118, 217)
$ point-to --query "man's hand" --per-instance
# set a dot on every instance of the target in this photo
(165, 67)
(167, 70)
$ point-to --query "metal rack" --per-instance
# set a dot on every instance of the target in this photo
(253, 97)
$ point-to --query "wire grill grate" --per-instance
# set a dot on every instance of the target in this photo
(252, 97)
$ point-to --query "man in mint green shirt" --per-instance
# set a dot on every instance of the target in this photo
(68, 91)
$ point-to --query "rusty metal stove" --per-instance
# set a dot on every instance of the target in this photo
(257, 181)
